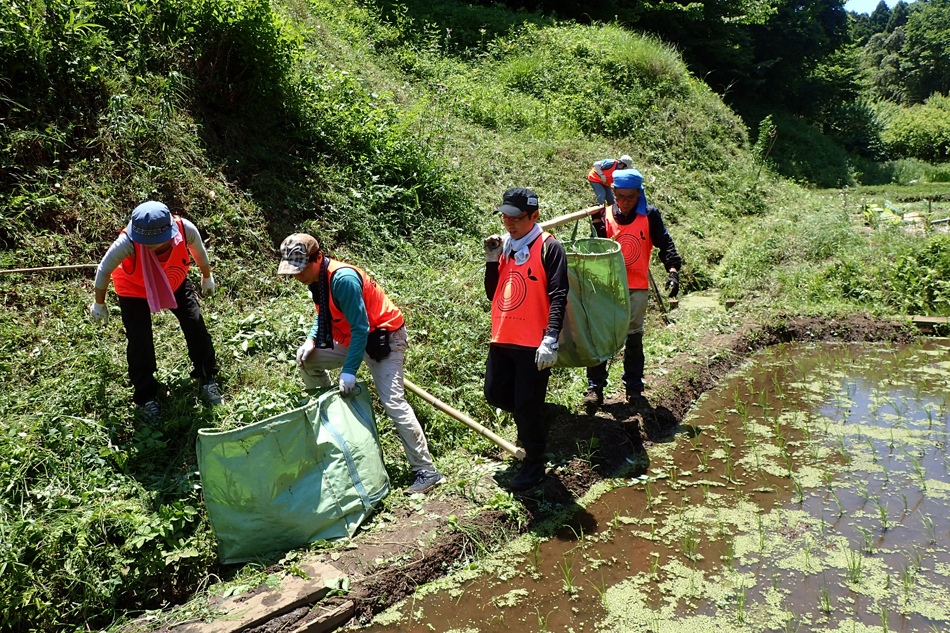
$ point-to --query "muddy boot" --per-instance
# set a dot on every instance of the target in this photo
(532, 472)
(593, 398)
(636, 399)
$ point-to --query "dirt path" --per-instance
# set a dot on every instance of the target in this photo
(417, 544)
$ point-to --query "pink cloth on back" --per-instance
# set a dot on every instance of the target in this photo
(157, 289)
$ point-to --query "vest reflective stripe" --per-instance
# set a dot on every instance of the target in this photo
(380, 310)
(128, 278)
(521, 306)
(635, 244)
(608, 178)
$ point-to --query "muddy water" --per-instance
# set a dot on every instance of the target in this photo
(810, 492)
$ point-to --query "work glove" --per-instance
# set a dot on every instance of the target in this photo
(303, 351)
(347, 383)
(546, 355)
(98, 313)
(492, 246)
(673, 283)
(207, 285)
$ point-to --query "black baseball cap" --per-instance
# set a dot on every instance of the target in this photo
(518, 200)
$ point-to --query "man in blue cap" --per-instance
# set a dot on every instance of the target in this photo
(148, 264)
(637, 227)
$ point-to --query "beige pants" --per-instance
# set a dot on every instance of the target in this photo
(387, 376)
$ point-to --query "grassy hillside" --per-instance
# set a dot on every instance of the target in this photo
(388, 134)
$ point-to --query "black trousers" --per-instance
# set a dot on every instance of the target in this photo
(633, 362)
(513, 383)
(140, 351)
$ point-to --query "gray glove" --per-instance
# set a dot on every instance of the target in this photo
(99, 313)
(492, 246)
(546, 355)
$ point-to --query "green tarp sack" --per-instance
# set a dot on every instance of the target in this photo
(598, 303)
(309, 474)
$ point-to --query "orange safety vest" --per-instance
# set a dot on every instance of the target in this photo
(380, 309)
(128, 278)
(521, 306)
(593, 176)
(635, 244)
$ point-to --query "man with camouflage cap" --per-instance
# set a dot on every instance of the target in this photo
(356, 322)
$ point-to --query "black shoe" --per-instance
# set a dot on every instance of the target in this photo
(532, 472)
(593, 398)
(637, 399)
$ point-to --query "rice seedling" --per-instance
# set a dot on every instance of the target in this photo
(824, 600)
(740, 603)
(566, 567)
(929, 527)
(536, 554)
(601, 590)
(868, 540)
(799, 490)
(654, 565)
(881, 512)
(834, 496)
(884, 617)
(853, 562)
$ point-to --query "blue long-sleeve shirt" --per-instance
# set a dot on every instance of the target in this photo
(346, 291)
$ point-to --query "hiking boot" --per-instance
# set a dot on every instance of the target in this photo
(593, 398)
(425, 480)
(532, 472)
(150, 411)
(212, 393)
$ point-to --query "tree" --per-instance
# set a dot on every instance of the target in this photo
(925, 65)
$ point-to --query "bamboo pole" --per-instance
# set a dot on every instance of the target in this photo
(570, 217)
(36, 270)
(464, 419)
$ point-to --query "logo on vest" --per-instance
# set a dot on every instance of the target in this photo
(514, 292)
(630, 247)
(176, 275)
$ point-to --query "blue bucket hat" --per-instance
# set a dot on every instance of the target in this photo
(632, 179)
(151, 224)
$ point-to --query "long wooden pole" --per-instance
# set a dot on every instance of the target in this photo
(464, 419)
(570, 217)
(36, 270)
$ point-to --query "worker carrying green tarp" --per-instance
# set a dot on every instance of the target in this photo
(314, 473)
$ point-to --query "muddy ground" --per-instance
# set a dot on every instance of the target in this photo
(417, 544)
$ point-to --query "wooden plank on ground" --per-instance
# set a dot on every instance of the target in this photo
(931, 320)
(243, 612)
(329, 619)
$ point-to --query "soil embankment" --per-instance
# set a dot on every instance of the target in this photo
(421, 542)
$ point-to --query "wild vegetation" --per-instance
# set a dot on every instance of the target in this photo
(389, 136)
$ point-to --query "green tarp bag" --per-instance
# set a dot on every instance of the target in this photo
(309, 474)
(598, 303)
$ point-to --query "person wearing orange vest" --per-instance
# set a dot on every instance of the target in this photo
(357, 322)
(601, 178)
(638, 228)
(148, 264)
(526, 281)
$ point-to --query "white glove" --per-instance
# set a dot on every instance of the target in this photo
(207, 285)
(99, 313)
(492, 246)
(303, 351)
(546, 355)
(347, 383)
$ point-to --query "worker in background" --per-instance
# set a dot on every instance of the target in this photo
(526, 281)
(638, 228)
(601, 178)
(357, 322)
(148, 264)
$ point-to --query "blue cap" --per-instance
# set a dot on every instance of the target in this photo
(151, 224)
(632, 179)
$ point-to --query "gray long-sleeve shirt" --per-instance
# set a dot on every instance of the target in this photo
(123, 248)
